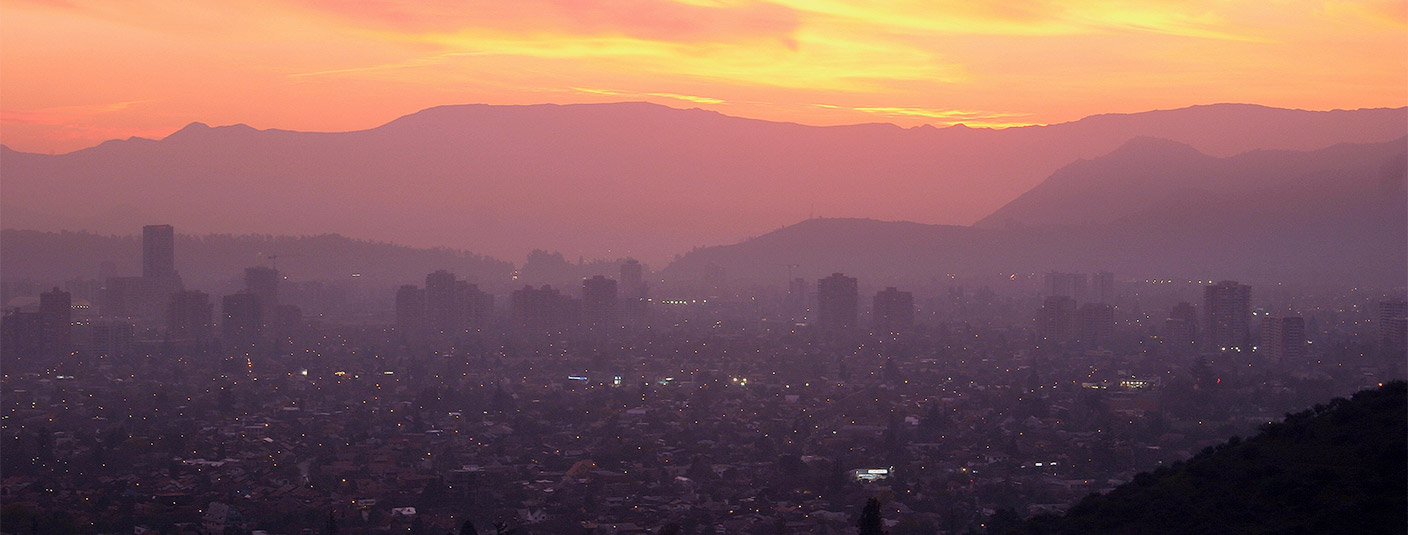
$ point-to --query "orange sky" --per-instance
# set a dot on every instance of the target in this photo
(76, 72)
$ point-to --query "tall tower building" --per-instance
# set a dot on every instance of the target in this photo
(441, 312)
(1227, 306)
(837, 300)
(1181, 328)
(893, 311)
(633, 291)
(542, 310)
(1072, 285)
(263, 282)
(410, 309)
(158, 251)
(599, 303)
(1102, 287)
(1393, 325)
(1095, 323)
(1057, 318)
(1283, 338)
(55, 323)
(190, 316)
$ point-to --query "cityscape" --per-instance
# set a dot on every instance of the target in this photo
(703, 267)
(613, 406)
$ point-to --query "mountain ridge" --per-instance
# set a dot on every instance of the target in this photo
(599, 180)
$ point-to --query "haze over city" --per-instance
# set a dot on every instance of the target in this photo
(703, 267)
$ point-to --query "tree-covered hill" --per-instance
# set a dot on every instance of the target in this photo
(1336, 468)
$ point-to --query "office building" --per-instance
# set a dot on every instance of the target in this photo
(263, 282)
(837, 299)
(1056, 321)
(55, 323)
(540, 310)
(893, 311)
(1227, 307)
(1095, 323)
(599, 303)
(158, 252)
(1283, 339)
(1102, 288)
(634, 292)
(410, 309)
(1181, 328)
(1072, 285)
(441, 313)
(1393, 325)
(190, 316)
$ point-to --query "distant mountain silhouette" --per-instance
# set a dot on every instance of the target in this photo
(1152, 208)
(211, 261)
(1147, 172)
(604, 180)
(1337, 468)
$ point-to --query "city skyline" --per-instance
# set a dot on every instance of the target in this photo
(703, 267)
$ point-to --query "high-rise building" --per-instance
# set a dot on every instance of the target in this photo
(837, 300)
(1102, 287)
(55, 323)
(441, 312)
(263, 282)
(20, 334)
(599, 303)
(893, 311)
(1181, 328)
(475, 306)
(410, 309)
(1095, 323)
(634, 292)
(190, 316)
(1393, 325)
(241, 320)
(543, 310)
(1056, 320)
(795, 303)
(1227, 306)
(1072, 285)
(1283, 338)
(158, 251)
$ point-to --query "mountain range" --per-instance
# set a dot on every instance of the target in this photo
(1152, 208)
(636, 179)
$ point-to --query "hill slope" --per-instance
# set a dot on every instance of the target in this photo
(603, 180)
(1337, 468)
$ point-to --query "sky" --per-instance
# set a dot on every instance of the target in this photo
(74, 73)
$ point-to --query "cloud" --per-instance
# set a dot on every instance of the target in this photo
(64, 115)
(633, 94)
(990, 119)
(659, 20)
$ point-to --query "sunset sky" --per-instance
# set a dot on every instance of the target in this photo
(75, 72)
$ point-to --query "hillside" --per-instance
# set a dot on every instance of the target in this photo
(1334, 214)
(607, 180)
(1147, 172)
(1337, 468)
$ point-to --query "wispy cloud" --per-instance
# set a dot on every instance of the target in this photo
(634, 94)
(61, 115)
(989, 119)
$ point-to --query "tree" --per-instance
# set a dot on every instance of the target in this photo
(331, 527)
(468, 529)
(870, 523)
